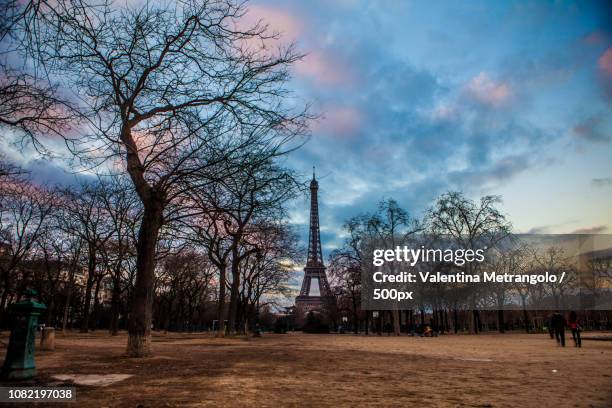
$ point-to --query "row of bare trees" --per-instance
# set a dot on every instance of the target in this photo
(76, 246)
(185, 101)
(455, 221)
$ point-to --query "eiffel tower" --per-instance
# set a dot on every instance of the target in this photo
(314, 272)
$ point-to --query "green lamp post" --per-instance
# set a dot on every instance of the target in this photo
(19, 362)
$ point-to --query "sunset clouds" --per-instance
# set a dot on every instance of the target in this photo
(416, 100)
(339, 121)
(413, 99)
(286, 25)
(487, 91)
(318, 65)
(323, 69)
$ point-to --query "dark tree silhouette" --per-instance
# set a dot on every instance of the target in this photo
(171, 92)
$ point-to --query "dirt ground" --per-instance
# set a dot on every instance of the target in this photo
(188, 370)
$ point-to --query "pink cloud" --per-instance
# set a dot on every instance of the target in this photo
(487, 91)
(318, 66)
(278, 21)
(605, 62)
(339, 121)
(323, 69)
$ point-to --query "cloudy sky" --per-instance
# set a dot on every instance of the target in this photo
(418, 98)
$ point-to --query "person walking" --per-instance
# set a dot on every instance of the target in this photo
(576, 329)
(558, 324)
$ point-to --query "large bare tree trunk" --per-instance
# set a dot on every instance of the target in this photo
(139, 325)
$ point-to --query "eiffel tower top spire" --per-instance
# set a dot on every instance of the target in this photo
(315, 255)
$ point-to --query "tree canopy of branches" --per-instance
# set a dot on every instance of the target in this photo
(389, 226)
(174, 94)
(469, 224)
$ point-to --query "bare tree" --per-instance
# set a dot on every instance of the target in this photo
(469, 225)
(210, 233)
(255, 194)
(555, 260)
(169, 91)
(183, 288)
(225, 214)
(73, 253)
(124, 212)
(266, 272)
(522, 263)
(346, 274)
(598, 275)
(346, 265)
(30, 102)
(500, 261)
(51, 253)
(391, 226)
(23, 210)
(89, 220)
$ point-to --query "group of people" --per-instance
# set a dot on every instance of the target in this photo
(557, 325)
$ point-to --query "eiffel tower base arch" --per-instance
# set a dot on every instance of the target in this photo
(314, 314)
